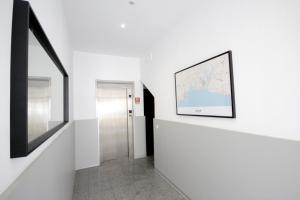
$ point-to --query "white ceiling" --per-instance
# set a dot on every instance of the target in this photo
(95, 24)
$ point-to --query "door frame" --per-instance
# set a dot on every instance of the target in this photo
(132, 84)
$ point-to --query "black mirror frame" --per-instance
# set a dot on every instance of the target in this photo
(25, 20)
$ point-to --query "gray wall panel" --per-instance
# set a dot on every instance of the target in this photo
(139, 137)
(49, 177)
(213, 164)
(87, 143)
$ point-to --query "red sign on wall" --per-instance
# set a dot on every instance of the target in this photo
(137, 100)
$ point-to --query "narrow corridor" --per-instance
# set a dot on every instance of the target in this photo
(123, 179)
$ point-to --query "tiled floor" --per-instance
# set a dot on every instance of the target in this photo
(123, 180)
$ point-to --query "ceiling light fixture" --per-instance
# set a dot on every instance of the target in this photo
(123, 26)
(131, 2)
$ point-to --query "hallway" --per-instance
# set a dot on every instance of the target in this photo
(123, 179)
(149, 100)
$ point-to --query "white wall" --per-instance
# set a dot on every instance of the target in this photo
(5, 36)
(264, 38)
(56, 30)
(88, 68)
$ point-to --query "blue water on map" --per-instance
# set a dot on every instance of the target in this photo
(198, 98)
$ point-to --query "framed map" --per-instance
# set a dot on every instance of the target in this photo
(206, 88)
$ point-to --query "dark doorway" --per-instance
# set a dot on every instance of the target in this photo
(149, 115)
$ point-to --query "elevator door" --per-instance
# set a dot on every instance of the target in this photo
(113, 122)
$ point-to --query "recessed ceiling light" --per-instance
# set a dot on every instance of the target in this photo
(123, 26)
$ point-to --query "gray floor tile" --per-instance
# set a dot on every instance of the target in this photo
(103, 195)
(126, 192)
(123, 179)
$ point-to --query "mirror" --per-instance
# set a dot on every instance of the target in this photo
(45, 91)
(39, 88)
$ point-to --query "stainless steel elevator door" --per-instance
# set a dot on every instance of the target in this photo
(113, 122)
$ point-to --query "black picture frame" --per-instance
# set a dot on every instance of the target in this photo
(25, 20)
(233, 109)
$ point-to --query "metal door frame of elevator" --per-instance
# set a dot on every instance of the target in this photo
(131, 83)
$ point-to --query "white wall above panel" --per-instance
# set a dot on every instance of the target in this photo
(264, 39)
(89, 68)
